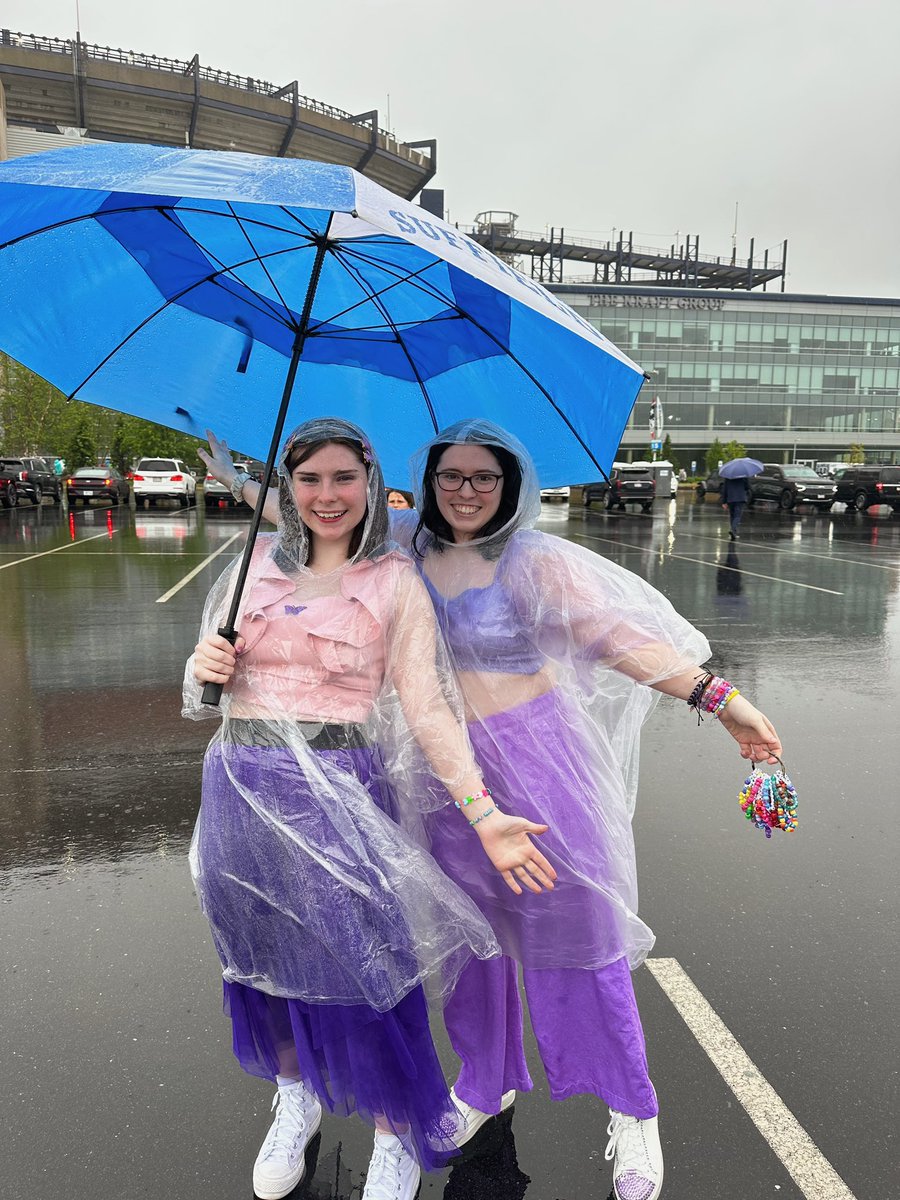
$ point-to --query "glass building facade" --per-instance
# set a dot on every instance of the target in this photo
(789, 376)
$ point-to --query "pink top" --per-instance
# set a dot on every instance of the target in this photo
(321, 657)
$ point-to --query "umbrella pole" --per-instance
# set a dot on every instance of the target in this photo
(212, 692)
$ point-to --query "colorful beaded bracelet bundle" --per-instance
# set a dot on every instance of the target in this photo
(711, 695)
(769, 801)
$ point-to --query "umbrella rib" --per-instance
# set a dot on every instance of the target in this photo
(258, 259)
(514, 358)
(213, 279)
(376, 300)
(131, 208)
(336, 254)
(270, 309)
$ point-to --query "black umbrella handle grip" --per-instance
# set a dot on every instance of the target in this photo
(212, 692)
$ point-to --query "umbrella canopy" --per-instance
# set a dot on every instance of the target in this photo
(740, 468)
(179, 285)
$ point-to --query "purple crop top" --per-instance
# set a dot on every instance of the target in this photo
(484, 630)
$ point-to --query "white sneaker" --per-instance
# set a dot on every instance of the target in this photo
(280, 1165)
(638, 1169)
(471, 1119)
(393, 1172)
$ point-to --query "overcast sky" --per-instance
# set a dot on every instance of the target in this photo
(649, 115)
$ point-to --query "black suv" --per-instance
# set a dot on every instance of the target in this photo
(789, 484)
(33, 478)
(860, 487)
(626, 485)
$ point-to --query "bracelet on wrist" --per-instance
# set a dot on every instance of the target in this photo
(487, 812)
(484, 794)
(237, 484)
(711, 695)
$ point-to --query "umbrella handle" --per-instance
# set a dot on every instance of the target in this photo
(212, 692)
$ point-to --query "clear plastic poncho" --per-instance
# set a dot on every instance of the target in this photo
(554, 648)
(341, 721)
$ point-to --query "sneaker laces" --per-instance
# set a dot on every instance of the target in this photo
(626, 1145)
(384, 1170)
(289, 1123)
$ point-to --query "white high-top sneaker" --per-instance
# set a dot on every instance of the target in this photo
(638, 1166)
(471, 1119)
(280, 1165)
(393, 1172)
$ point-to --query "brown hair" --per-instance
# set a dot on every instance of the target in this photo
(304, 450)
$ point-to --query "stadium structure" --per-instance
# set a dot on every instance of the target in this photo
(64, 91)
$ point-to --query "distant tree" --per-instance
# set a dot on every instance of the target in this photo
(81, 450)
(857, 453)
(668, 453)
(733, 449)
(714, 455)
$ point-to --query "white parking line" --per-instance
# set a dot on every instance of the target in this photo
(196, 571)
(808, 1167)
(56, 549)
(704, 562)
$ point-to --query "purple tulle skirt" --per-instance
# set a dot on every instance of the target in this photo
(543, 763)
(356, 1058)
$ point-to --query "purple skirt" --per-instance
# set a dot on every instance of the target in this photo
(355, 1057)
(542, 762)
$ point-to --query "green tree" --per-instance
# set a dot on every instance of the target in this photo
(733, 449)
(81, 450)
(714, 455)
(857, 453)
(668, 453)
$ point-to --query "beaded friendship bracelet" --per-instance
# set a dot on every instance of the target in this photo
(484, 794)
(711, 695)
(487, 812)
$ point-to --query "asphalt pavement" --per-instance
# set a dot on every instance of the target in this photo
(118, 1078)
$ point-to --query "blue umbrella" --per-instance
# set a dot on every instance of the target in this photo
(204, 289)
(740, 468)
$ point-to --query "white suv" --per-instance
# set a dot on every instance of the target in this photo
(163, 479)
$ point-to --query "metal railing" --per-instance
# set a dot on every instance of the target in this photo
(175, 66)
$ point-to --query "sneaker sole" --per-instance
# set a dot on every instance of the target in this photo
(262, 1192)
(506, 1103)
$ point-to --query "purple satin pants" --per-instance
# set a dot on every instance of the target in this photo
(586, 1024)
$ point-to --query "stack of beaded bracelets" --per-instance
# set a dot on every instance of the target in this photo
(769, 801)
(486, 794)
(711, 695)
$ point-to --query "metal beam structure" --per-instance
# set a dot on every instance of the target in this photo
(622, 262)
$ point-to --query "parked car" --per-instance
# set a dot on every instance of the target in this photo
(33, 478)
(96, 483)
(163, 479)
(789, 484)
(557, 493)
(861, 486)
(628, 483)
(711, 485)
(216, 494)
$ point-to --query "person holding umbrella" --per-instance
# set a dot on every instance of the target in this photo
(736, 490)
(560, 656)
(327, 916)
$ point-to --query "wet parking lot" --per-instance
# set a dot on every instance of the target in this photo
(117, 1072)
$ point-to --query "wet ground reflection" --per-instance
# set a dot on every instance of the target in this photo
(116, 1057)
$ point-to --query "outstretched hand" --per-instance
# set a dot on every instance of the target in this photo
(752, 730)
(218, 460)
(507, 844)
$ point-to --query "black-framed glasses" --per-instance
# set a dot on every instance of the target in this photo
(452, 481)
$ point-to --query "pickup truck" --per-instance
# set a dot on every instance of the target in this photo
(33, 478)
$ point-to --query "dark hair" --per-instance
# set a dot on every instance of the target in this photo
(378, 531)
(430, 518)
(407, 496)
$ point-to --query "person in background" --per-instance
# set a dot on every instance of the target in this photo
(735, 494)
(398, 499)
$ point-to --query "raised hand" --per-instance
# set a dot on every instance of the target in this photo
(218, 460)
